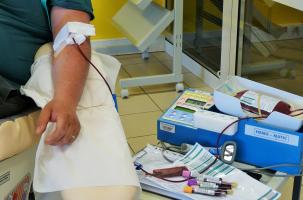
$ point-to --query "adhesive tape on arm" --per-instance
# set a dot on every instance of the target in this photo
(72, 30)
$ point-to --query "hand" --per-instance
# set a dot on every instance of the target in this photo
(67, 123)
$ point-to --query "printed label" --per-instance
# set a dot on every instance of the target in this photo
(167, 127)
(207, 185)
(267, 103)
(207, 192)
(21, 191)
(272, 135)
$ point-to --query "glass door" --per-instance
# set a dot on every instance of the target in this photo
(202, 37)
(209, 38)
(270, 43)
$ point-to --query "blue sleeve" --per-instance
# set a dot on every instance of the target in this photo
(82, 5)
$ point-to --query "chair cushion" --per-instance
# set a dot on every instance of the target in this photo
(17, 134)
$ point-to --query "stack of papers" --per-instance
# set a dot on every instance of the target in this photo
(198, 159)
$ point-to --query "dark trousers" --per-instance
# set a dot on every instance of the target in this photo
(11, 100)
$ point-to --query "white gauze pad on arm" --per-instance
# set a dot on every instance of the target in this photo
(77, 30)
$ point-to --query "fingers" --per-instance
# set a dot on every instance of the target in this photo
(43, 120)
(71, 134)
(69, 138)
(67, 129)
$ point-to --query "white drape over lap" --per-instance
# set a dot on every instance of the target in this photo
(100, 155)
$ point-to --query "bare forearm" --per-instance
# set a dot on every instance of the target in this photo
(70, 68)
(70, 72)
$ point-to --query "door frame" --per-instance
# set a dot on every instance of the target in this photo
(228, 48)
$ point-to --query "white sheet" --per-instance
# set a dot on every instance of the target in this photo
(100, 155)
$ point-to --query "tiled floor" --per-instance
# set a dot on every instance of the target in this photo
(141, 110)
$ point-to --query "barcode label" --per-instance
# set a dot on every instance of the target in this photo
(167, 127)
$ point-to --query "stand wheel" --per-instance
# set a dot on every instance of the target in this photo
(124, 93)
(283, 73)
(288, 73)
(179, 87)
(292, 73)
(145, 55)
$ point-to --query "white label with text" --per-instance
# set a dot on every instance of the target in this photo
(271, 135)
(167, 127)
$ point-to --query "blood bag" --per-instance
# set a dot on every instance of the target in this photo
(262, 104)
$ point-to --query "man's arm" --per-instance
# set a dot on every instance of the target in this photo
(69, 74)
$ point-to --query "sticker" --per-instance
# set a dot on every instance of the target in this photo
(4, 178)
(271, 135)
(267, 103)
(21, 191)
(167, 127)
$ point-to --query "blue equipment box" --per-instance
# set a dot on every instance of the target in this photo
(258, 144)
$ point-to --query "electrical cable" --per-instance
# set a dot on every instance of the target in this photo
(219, 138)
(273, 166)
(164, 149)
(277, 175)
(92, 64)
(257, 170)
(183, 149)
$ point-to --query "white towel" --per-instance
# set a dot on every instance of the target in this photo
(100, 155)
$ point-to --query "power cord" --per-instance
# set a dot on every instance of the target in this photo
(164, 149)
(273, 166)
(257, 170)
(276, 175)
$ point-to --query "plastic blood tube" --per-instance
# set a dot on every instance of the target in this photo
(219, 181)
(197, 180)
(208, 185)
(218, 193)
(214, 186)
(195, 174)
(210, 179)
(190, 174)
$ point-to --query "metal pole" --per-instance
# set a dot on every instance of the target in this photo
(178, 37)
(296, 188)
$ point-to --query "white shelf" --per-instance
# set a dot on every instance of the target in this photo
(297, 4)
(142, 4)
(142, 27)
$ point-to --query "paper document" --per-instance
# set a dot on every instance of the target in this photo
(198, 159)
